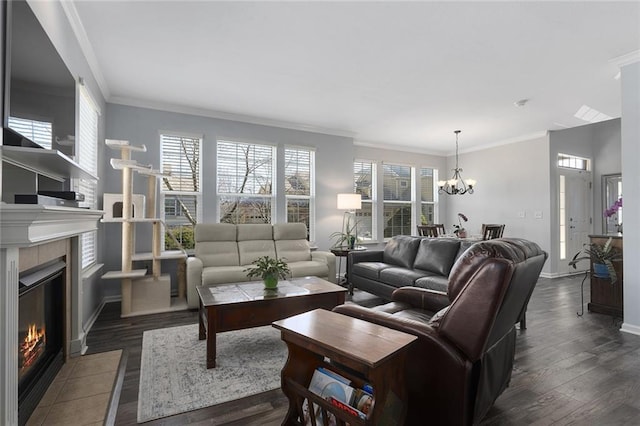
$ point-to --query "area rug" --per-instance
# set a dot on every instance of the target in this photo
(174, 378)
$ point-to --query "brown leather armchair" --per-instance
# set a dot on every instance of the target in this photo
(464, 355)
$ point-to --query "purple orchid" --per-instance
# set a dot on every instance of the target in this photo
(614, 208)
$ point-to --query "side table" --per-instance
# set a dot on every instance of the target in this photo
(371, 353)
(341, 252)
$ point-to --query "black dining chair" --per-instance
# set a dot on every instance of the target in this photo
(491, 231)
(435, 230)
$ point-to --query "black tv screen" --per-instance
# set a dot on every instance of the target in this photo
(42, 92)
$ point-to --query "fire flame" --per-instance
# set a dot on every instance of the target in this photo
(32, 344)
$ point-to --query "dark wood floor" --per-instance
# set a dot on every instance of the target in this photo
(568, 369)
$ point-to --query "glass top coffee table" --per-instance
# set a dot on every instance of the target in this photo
(237, 306)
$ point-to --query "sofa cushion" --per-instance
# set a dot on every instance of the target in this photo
(218, 253)
(255, 231)
(293, 250)
(289, 231)
(401, 251)
(437, 255)
(434, 282)
(369, 270)
(250, 250)
(307, 268)
(400, 277)
(224, 275)
(215, 232)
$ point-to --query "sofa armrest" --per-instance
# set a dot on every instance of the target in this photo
(365, 256)
(194, 279)
(421, 298)
(330, 259)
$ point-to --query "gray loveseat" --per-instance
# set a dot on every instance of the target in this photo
(224, 251)
(407, 261)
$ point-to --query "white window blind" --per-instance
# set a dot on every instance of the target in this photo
(427, 196)
(181, 191)
(299, 186)
(40, 132)
(245, 182)
(87, 157)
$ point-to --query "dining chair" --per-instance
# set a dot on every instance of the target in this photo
(435, 230)
(491, 231)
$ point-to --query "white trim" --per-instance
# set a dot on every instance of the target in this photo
(627, 59)
(91, 270)
(404, 148)
(228, 116)
(94, 316)
(86, 47)
(112, 299)
(630, 328)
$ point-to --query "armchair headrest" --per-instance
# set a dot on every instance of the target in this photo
(515, 250)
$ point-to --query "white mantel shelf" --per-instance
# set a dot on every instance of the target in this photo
(24, 225)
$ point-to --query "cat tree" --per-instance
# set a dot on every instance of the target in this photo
(143, 291)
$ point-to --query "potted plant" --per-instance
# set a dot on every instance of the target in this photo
(603, 256)
(459, 229)
(269, 269)
(348, 236)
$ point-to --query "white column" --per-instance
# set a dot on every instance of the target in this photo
(630, 76)
(78, 338)
(9, 336)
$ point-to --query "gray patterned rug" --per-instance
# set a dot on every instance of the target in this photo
(174, 378)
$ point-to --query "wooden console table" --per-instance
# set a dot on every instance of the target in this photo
(372, 353)
(606, 297)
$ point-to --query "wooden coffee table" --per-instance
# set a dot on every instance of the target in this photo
(237, 306)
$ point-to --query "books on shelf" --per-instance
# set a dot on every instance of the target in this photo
(337, 390)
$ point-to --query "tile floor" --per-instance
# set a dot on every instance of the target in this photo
(80, 393)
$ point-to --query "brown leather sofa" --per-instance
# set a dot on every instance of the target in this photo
(463, 357)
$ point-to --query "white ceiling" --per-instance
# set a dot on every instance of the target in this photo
(393, 73)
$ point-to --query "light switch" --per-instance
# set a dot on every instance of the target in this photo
(537, 214)
(520, 214)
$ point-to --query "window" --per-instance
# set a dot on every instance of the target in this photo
(364, 179)
(181, 192)
(88, 159)
(245, 182)
(299, 186)
(397, 199)
(562, 214)
(572, 162)
(40, 132)
(427, 196)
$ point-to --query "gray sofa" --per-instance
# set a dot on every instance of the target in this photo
(407, 261)
(224, 251)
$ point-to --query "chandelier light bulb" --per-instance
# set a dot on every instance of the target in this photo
(456, 185)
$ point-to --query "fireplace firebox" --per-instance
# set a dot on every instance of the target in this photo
(40, 333)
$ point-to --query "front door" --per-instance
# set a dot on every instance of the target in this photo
(575, 216)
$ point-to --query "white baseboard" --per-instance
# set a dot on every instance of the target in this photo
(111, 299)
(630, 328)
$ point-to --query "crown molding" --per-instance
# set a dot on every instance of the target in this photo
(180, 109)
(85, 45)
(629, 58)
(395, 147)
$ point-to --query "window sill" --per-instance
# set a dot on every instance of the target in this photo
(90, 271)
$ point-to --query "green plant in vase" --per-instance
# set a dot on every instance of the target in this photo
(348, 237)
(601, 254)
(269, 269)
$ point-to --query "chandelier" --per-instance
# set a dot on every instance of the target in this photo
(456, 185)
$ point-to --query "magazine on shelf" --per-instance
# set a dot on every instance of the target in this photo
(327, 384)
(363, 402)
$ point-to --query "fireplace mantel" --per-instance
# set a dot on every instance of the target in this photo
(24, 225)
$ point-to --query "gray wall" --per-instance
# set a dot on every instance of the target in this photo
(512, 180)
(334, 166)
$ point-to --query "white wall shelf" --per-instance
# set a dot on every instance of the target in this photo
(46, 162)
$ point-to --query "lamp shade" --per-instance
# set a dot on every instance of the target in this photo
(349, 201)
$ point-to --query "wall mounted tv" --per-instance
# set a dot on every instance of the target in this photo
(40, 103)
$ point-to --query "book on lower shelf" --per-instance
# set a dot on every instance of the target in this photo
(337, 390)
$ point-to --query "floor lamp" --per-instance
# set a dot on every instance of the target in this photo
(349, 203)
